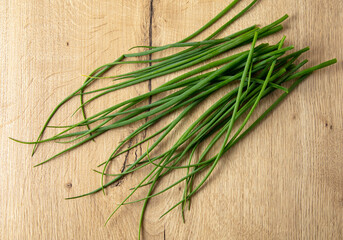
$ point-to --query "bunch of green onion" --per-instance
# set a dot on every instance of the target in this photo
(258, 71)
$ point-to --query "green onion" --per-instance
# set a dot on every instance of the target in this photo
(258, 72)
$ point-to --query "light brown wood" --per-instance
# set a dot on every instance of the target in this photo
(285, 181)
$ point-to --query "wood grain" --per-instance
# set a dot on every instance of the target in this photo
(285, 181)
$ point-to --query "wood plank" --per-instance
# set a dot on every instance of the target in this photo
(48, 46)
(284, 181)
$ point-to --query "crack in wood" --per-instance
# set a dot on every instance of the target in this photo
(124, 164)
(151, 15)
(150, 39)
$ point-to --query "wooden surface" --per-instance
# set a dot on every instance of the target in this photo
(285, 181)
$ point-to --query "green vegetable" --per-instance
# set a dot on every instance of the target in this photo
(258, 72)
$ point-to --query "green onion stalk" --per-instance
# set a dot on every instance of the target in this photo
(251, 75)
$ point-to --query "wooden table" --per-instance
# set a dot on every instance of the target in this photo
(285, 181)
